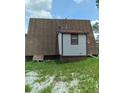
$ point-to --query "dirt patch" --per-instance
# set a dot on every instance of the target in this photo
(32, 76)
(60, 87)
(40, 86)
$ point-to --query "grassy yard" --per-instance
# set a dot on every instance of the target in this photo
(55, 77)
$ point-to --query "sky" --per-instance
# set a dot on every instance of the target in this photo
(61, 9)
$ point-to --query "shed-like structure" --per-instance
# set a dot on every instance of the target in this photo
(42, 36)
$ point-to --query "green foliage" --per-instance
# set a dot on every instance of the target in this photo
(96, 27)
(97, 3)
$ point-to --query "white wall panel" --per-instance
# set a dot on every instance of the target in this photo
(74, 50)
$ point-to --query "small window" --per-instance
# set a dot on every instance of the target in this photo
(74, 39)
(59, 27)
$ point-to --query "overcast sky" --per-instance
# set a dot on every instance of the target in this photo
(71, 9)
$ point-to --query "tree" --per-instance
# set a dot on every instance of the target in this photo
(95, 27)
(97, 3)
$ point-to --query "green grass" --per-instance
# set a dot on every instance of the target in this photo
(87, 71)
(46, 90)
(27, 88)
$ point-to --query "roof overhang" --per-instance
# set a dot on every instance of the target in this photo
(72, 32)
